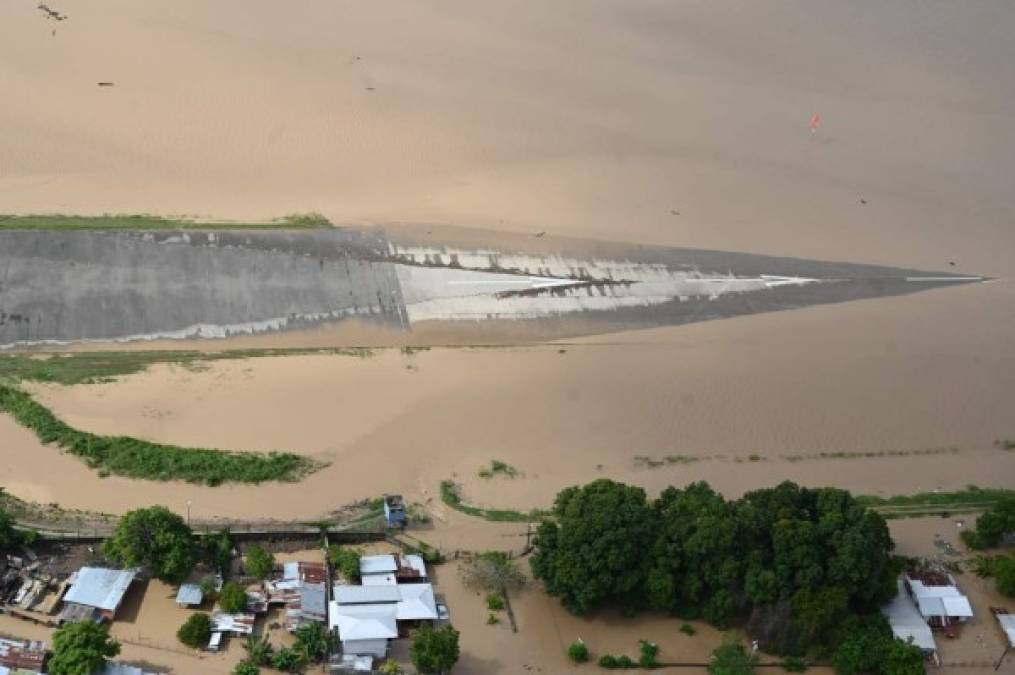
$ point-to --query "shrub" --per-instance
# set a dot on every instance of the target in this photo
(346, 561)
(731, 658)
(434, 650)
(390, 667)
(647, 657)
(687, 629)
(794, 664)
(312, 641)
(578, 652)
(259, 563)
(491, 619)
(195, 631)
(245, 668)
(233, 598)
(607, 661)
(81, 647)
(259, 650)
(494, 602)
(287, 659)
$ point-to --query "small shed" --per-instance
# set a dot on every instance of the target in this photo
(394, 511)
(189, 595)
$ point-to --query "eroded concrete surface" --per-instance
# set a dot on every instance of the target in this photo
(75, 286)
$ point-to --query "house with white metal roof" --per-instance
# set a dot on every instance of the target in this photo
(364, 629)
(189, 595)
(907, 623)
(346, 594)
(938, 599)
(96, 592)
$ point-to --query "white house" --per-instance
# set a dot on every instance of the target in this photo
(938, 599)
(364, 629)
(908, 624)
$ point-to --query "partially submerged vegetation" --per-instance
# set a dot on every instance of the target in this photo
(972, 499)
(121, 221)
(498, 468)
(91, 367)
(450, 496)
(137, 458)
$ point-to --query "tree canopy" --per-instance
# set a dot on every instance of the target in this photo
(195, 631)
(155, 538)
(81, 648)
(869, 648)
(259, 563)
(731, 658)
(312, 641)
(992, 525)
(794, 561)
(593, 551)
(233, 598)
(493, 572)
(434, 650)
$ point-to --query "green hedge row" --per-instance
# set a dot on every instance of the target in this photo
(136, 458)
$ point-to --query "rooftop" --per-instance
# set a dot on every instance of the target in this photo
(362, 595)
(100, 587)
(417, 602)
(189, 594)
(906, 622)
(377, 564)
(363, 622)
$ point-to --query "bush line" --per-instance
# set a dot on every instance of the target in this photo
(136, 458)
(449, 495)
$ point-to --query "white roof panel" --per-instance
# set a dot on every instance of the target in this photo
(957, 606)
(417, 602)
(906, 622)
(360, 595)
(380, 580)
(416, 562)
(377, 564)
(99, 587)
(363, 622)
(1007, 622)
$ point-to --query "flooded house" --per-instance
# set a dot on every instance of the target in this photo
(96, 594)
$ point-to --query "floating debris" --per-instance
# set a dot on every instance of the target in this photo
(51, 13)
(106, 84)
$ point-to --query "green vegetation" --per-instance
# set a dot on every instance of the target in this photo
(149, 222)
(934, 503)
(11, 537)
(794, 664)
(868, 648)
(578, 652)
(218, 550)
(390, 667)
(871, 454)
(992, 526)
(498, 468)
(136, 458)
(653, 463)
(1005, 444)
(245, 668)
(795, 561)
(731, 658)
(492, 572)
(81, 648)
(259, 650)
(233, 598)
(92, 367)
(1001, 568)
(449, 495)
(195, 631)
(687, 629)
(346, 561)
(259, 563)
(288, 660)
(156, 538)
(648, 654)
(611, 662)
(312, 642)
(492, 619)
(434, 650)
(494, 602)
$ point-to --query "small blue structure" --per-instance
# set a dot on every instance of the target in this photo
(394, 510)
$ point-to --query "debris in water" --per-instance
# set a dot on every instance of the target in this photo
(105, 84)
(51, 13)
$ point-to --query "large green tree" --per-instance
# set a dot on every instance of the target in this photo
(593, 550)
(258, 562)
(434, 650)
(81, 648)
(195, 631)
(869, 648)
(233, 598)
(156, 538)
(992, 525)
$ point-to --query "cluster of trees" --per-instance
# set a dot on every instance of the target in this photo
(434, 650)
(992, 526)
(312, 643)
(791, 563)
(346, 561)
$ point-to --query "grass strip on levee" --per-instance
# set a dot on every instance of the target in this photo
(298, 221)
(136, 458)
(449, 495)
(972, 499)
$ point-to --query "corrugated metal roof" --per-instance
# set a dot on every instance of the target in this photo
(417, 602)
(100, 587)
(189, 594)
(377, 564)
(364, 622)
(906, 622)
(1007, 622)
(359, 595)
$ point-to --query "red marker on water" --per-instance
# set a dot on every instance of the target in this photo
(815, 122)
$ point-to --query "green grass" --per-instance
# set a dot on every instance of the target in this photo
(449, 495)
(136, 458)
(970, 500)
(1005, 444)
(91, 367)
(148, 222)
